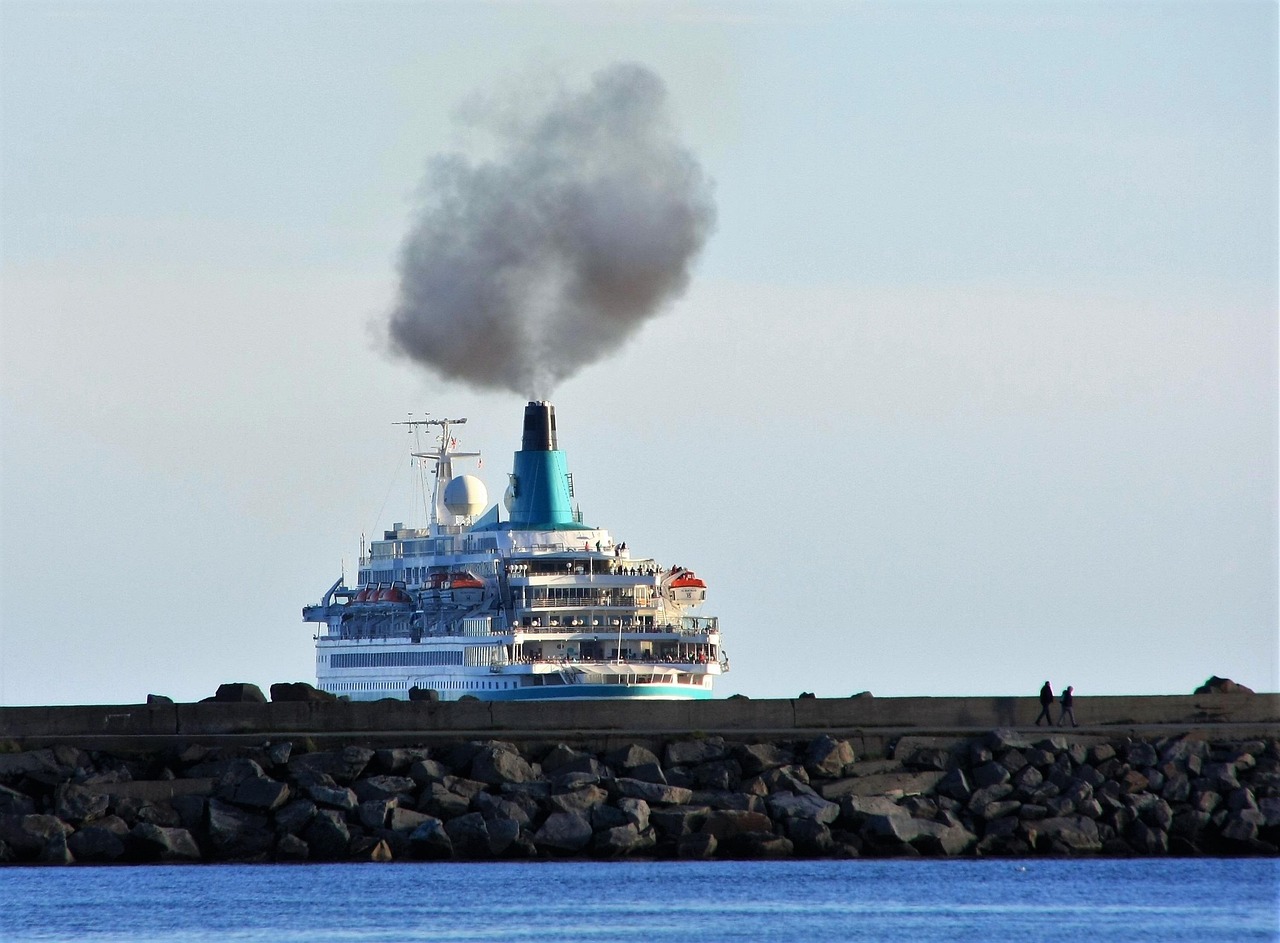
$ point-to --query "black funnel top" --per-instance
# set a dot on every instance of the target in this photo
(539, 428)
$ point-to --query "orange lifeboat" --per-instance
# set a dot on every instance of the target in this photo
(687, 589)
(463, 580)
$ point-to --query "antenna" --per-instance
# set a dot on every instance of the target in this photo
(446, 451)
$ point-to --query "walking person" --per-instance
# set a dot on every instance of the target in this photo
(1068, 705)
(1046, 701)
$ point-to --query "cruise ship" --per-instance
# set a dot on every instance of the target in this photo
(530, 604)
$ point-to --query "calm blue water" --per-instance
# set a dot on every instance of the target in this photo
(804, 901)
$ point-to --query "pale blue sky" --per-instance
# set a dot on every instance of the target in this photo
(975, 383)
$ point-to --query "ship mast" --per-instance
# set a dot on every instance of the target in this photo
(446, 451)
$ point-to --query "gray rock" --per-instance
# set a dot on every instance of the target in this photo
(496, 807)
(637, 812)
(1002, 739)
(809, 836)
(373, 813)
(796, 806)
(721, 775)
(327, 836)
(430, 841)
(293, 817)
(678, 821)
(298, 691)
(337, 797)
(384, 787)
(925, 757)
(697, 847)
(621, 841)
(828, 757)
(1242, 826)
(563, 832)
(580, 801)
(470, 835)
(397, 760)
(652, 793)
(239, 692)
(1140, 754)
(755, 758)
(1146, 840)
(630, 756)
(760, 845)
(693, 752)
(954, 785)
(291, 848)
(261, 793)
(897, 827)
(96, 844)
(344, 766)
(499, 763)
(406, 820)
(236, 834)
(77, 805)
(1072, 833)
(998, 810)
(728, 823)
(13, 802)
(154, 843)
(502, 835)
(650, 773)
(990, 774)
(428, 771)
(439, 801)
(981, 798)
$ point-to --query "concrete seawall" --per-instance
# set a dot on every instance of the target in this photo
(505, 720)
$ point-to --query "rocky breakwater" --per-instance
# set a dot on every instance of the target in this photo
(1002, 794)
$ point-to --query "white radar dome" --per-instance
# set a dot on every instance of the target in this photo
(509, 498)
(465, 496)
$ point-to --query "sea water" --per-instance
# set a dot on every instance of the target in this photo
(1080, 901)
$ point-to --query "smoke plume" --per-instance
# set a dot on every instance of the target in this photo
(521, 269)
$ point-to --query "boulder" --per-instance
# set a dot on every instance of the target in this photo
(798, 806)
(293, 817)
(580, 801)
(239, 692)
(299, 691)
(809, 836)
(693, 752)
(337, 797)
(678, 821)
(727, 823)
(291, 848)
(261, 793)
(384, 787)
(423, 694)
(343, 766)
(1216, 685)
(1070, 834)
(503, 835)
(150, 842)
(327, 836)
(756, 758)
(234, 833)
(96, 844)
(499, 763)
(622, 840)
(158, 700)
(563, 832)
(470, 835)
(697, 846)
(652, 793)
(630, 756)
(77, 805)
(828, 757)
(430, 841)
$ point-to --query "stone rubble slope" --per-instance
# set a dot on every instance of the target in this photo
(1007, 793)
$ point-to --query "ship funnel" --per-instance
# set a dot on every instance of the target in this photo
(540, 481)
(539, 428)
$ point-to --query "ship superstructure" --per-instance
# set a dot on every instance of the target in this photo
(535, 606)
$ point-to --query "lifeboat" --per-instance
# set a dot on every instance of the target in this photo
(363, 595)
(463, 581)
(687, 589)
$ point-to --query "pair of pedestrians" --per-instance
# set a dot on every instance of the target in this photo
(1068, 706)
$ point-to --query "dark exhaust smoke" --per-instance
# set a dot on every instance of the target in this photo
(521, 269)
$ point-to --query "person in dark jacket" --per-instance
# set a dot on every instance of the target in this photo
(1068, 704)
(1046, 701)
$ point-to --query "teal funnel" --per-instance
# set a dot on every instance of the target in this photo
(540, 480)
